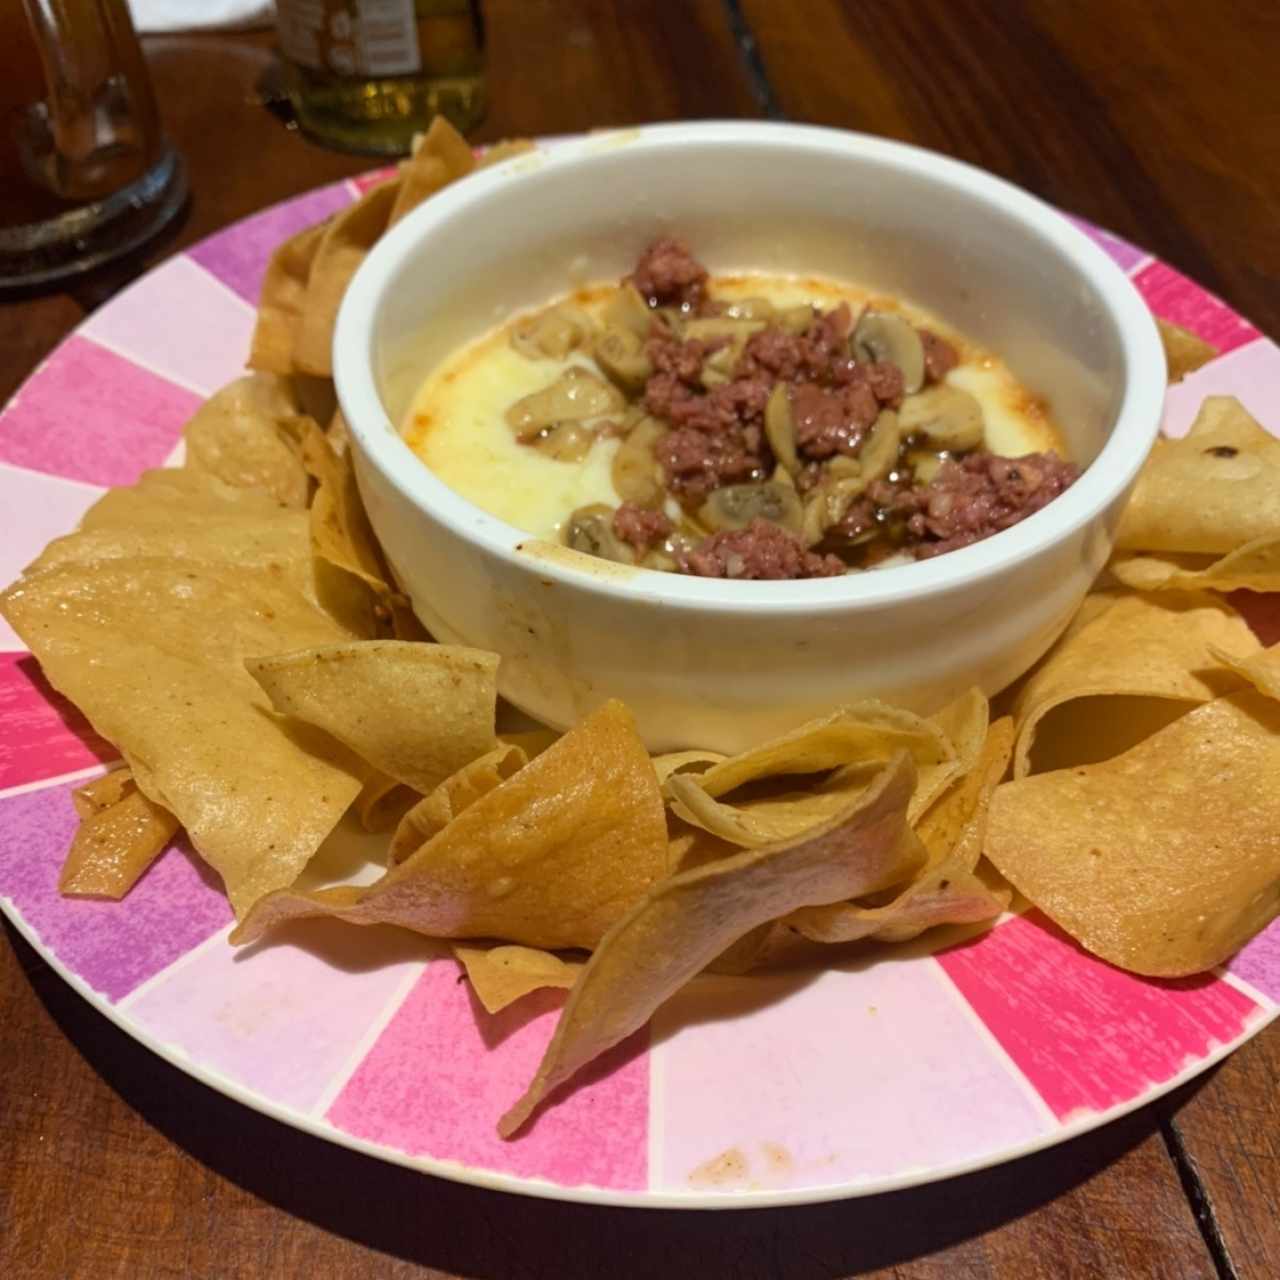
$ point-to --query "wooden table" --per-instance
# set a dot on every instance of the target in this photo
(1159, 121)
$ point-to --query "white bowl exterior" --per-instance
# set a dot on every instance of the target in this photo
(723, 664)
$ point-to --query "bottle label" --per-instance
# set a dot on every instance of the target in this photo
(351, 37)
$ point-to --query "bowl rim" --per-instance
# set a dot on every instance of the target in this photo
(1135, 427)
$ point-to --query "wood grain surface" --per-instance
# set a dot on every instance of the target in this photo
(1159, 120)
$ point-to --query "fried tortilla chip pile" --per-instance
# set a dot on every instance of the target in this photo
(232, 627)
(1206, 510)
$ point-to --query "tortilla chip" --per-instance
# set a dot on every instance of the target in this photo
(965, 722)
(502, 975)
(420, 178)
(340, 528)
(685, 922)
(416, 712)
(673, 762)
(152, 650)
(1165, 860)
(441, 156)
(443, 142)
(1137, 646)
(1184, 353)
(1254, 567)
(346, 241)
(947, 891)
(506, 150)
(533, 742)
(1262, 669)
(243, 434)
(551, 858)
(758, 820)
(855, 741)
(434, 812)
(382, 802)
(280, 304)
(337, 433)
(121, 834)
(192, 517)
(1210, 492)
(865, 731)
(101, 793)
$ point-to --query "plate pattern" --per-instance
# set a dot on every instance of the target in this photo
(768, 1090)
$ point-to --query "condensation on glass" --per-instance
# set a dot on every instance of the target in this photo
(366, 75)
(85, 171)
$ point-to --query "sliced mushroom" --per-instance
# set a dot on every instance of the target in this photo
(844, 481)
(708, 328)
(843, 467)
(780, 427)
(658, 558)
(563, 441)
(719, 366)
(783, 477)
(736, 505)
(924, 465)
(637, 474)
(620, 353)
(948, 417)
(881, 335)
(879, 454)
(795, 320)
(813, 521)
(590, 530)
(671, 318)
(576, 394)
(552, 333)
(628, 310)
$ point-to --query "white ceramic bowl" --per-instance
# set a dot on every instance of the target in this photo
(722, 664)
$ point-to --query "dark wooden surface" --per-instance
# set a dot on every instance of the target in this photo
(1160, 120)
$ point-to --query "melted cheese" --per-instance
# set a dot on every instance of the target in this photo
(456, 422)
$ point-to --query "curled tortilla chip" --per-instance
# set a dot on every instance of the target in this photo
(1165, 860)
(1210, 492)
(533, 742)
(855, 742)
(416, 712)
(343, 246)
(152, 649)
(382, 802)
(341, 533)
(503, 974)
(281, 301)
(1253, 567)
(420, 178)
(121, 834)
(462, 789)
(1262, 669)
(685, 922)
(441, 156)
(245, 435)
(946, 891)
(865, 731)
(1137, 646)
(101, 793)
(552, 857)
(673, 762)
(1184, 353)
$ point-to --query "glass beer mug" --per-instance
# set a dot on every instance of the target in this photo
(85, 172)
